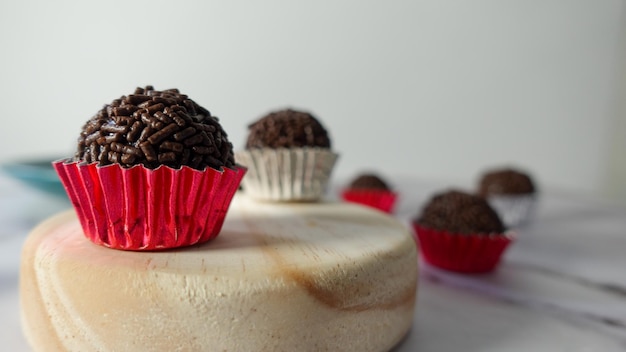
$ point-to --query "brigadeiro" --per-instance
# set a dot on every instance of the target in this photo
(371, 190)
(511, 192)
(152, 170)
(461, 232)
(289, 157)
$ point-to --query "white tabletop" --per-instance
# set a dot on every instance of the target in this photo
(561, 285)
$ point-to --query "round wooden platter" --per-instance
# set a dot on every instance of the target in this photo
(280, 277)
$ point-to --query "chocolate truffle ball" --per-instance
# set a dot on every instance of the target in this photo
(154, 128)
(505, 182)
(459, 212)
(287, 129)
(369, 181)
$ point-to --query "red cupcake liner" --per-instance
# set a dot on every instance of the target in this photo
(473, 253)
(143, 209)
(382, 200)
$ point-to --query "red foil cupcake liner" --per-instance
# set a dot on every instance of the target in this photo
(474, 253)
(381, 200)
(143, 209)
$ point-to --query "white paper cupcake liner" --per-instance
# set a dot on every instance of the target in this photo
(514, 210)
(287, 174)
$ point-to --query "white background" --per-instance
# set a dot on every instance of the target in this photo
(431, 89)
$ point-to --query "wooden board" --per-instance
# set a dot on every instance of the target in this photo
(280, 277)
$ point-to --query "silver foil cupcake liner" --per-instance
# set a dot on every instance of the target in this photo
(514, 210)
(287, 174)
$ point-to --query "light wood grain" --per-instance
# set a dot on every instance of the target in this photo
(280, 277)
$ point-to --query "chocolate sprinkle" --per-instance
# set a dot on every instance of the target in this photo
(505, 181)
(287, 129)
(155, 128)
(460, 212)
(369, 181)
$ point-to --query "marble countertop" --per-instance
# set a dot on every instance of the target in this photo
(561, 286)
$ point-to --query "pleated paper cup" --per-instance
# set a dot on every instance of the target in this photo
(379, 199)
(143, 209)
(514, 210)
(463, 253)
(287, 174)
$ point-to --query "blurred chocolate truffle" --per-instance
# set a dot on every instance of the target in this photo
(511, 192)
(154, 128)
(368, 181)
(506, 181)
(287, 129)
(372, 190)
(459, 231)
(460, 212)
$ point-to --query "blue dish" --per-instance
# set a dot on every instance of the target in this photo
(37, 173)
